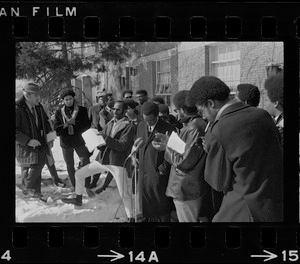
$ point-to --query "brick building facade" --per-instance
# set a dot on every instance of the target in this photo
(171, 67)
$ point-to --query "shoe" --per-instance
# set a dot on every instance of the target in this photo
(89, 192)
(60, 183)
(76, 201)
(100, 190)
(40, 197)
(37, 195)
(28, 191)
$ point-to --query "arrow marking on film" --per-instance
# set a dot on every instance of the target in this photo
(115, 257)
(269, 256)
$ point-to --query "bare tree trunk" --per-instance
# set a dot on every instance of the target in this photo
(68, 73)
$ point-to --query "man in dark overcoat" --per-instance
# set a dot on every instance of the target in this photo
(244, 155)
(32, 149)
(153, 169)
(70, 121)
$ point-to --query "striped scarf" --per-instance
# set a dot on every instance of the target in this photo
(68, 121)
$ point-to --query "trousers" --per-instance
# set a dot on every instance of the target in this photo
(31, 176)
(84, 157)
(187, 211)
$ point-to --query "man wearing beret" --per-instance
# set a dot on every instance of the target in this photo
(153, 169)
(70, 121)
(32, 149)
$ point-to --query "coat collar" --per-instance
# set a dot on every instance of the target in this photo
(121, 124)
(21, 101)
(236, 106)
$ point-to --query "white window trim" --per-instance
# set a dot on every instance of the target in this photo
(161, 72)
(225, 61)
(221, 62)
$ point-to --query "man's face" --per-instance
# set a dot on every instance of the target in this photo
(141, 98)
(118, 111)
(100, 100)
(33, 98)
(129, 111)
(208, 112)
(270, 107)
(69, 100)
(127, 96)
(180, 112)
(150, 119)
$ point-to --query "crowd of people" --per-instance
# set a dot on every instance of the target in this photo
(231, 169)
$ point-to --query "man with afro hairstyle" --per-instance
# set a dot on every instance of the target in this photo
(248, 93)
(244, 155)
(274, 100)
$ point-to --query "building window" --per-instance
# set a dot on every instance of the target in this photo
(163, 80)
(225, 63)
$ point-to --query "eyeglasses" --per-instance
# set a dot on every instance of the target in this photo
(128, 97)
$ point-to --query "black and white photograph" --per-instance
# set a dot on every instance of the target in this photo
(143, 132)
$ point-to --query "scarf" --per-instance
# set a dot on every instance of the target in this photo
(70, 122)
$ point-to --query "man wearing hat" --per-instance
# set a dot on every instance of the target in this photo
(70, 121)
(153, 169)
(32, 149)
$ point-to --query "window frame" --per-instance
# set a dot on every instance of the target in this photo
(215, 63)
(159, 90)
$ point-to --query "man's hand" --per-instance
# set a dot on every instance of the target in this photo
(33, 143)
(204, 144)
(71, 121)
(134, 161)
(164, 138)
(160, 146)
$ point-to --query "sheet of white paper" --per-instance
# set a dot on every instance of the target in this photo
(176, 143)
(51, 136)
(92, 140)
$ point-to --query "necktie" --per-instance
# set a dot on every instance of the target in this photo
(34, 113)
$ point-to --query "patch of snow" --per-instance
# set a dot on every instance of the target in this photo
(104, 207)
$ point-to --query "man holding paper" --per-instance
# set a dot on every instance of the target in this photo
(191, 194)
(153, 169)
(119, 136)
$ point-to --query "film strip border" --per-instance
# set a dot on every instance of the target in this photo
(150, 21)
(199, 244)
(154, 22)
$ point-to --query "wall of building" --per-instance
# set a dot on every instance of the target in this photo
(255, 56)
(191, 64)
(145, 76)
